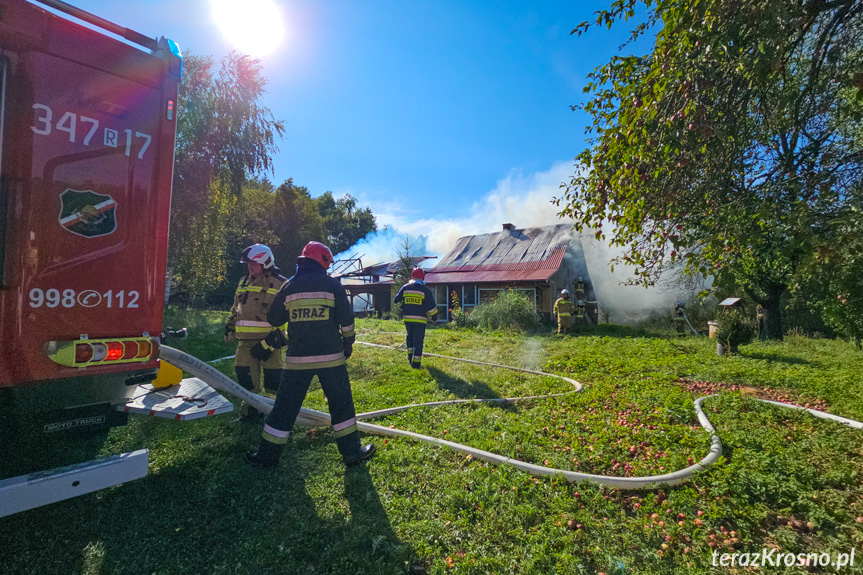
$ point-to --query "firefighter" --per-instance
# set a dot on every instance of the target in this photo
(248, 324)
(563, 309)
(580, 309)
(319, 340)
(418, 308)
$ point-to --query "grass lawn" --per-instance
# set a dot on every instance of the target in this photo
(786, 480)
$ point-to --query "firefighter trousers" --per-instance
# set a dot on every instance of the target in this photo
(337, 389)
(248, 371)
(414, 341)
(562, 323)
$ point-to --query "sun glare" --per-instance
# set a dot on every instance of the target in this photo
(254, 27)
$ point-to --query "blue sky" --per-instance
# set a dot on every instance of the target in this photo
(445, 117)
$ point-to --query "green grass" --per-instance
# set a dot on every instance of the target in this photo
(785, 479)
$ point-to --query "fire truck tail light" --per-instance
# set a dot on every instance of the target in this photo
(90, 352)
(130, 349)
(100, 351)
(170, 110)
(83, 353)
(144, 349)
(115, 351)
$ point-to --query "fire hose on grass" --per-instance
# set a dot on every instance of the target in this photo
(313, 418)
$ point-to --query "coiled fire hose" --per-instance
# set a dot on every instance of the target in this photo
(313, 418)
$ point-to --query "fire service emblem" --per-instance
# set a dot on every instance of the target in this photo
(88, 214)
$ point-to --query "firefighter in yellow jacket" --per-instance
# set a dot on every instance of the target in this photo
(249, 326)
(563, 310)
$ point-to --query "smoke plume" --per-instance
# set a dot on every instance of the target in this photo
(525, 201)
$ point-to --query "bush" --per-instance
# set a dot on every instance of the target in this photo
(509, 310)
(734, 328)
(457, 315)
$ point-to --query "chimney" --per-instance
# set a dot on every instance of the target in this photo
(508, 227)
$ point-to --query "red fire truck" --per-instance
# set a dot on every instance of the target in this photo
(87, 130)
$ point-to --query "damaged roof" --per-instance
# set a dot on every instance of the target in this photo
(529, 254)
(384, 269)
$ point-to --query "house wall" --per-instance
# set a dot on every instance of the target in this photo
(574, 266)
(468, 300)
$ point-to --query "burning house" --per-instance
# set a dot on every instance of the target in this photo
(538, 262)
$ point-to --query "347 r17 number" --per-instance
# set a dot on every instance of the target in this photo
(86, 298)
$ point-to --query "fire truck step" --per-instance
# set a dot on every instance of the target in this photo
(191, 399)
(36, 489)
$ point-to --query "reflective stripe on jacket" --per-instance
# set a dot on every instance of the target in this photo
(563, 307)
(252, 301)
(418, 305)
(319, 317)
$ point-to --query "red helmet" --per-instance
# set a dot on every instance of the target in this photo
(418, 274)
(318, 252)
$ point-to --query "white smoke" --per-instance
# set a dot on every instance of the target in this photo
(626, 303)
(384, 246)
(523, 200)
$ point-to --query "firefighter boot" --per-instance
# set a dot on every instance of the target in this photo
(352, 452)
(266, 457)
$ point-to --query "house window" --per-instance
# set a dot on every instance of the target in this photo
(440, 298)
(468, 298)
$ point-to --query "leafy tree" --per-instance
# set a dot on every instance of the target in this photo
(297, 223)
(344, 224)
(836, 273)
(222, 129)
(251, 221)
(731, 145)
(223, 136)
(200, 266)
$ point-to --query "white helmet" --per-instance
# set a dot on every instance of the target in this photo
(258, 254)
(564, 292)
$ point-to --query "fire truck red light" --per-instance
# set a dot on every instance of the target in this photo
(130, 349)
(115, 351)
(83, 353)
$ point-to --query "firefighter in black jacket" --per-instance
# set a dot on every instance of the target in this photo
(248, 323)
(319, 341)
(418, 308)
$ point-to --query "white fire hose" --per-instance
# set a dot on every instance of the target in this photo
(313, 418)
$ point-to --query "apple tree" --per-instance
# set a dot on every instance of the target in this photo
(730, 146)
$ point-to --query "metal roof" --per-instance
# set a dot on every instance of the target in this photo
(488, 276)
(509, 249)
(529, 254)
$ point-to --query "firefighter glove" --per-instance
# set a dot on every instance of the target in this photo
(349, 349)
(262, 351)
(276, 339)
